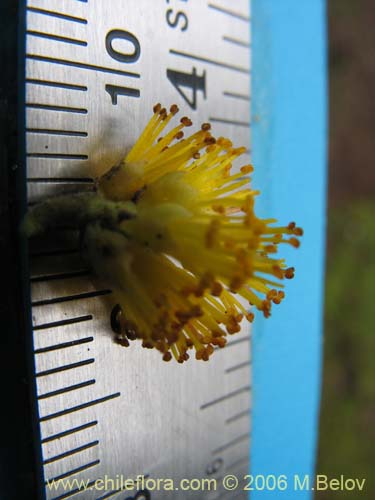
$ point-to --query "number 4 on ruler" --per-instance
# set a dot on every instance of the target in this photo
(192, 81)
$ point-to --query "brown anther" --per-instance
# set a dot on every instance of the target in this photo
(298, 231)
(246, 169)
(271, 294)
(294, 242)
(160, 346)
(250, 317)
(157, 108)
(236, 283)
(206, 126)
(217, 333)
(270, 248)
(174, 109)
(266, 308)
(163, 114)
(232, 328)
(211, 233)
(210, 140)
(240, 151)
(179, 135)
(278, 272)
(189, 343)
(186, 121)
(159, 139)
(199, 353)
(147, 345)
(122, 340)
(289, 273)
(205, 356)
(196, 155)
(155, 336)
(172, 337)
(219, 209)
(291, 225)
(210, 148)
(216, 289)
(209, 349)
(196, 311)
(167, 356)
(221, 342)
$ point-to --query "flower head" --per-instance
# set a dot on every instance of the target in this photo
(197, 245)
(183, 249)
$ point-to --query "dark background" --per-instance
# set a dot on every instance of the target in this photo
(347, 423)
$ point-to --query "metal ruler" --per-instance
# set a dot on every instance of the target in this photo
(94, 69)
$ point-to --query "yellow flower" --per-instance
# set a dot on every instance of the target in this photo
(174, 233)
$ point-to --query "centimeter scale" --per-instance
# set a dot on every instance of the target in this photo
(94, 70)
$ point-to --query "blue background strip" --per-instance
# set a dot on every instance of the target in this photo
(289, 153)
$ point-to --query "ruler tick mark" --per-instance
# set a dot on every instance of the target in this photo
(72, 133)
(80, 407)
(71, 452)
(59, 276)
(81, 65)
(57, 38)
(228, 12)
(70, 431)
(64, 345)
(234, 442)
(86, 181)
(244, 413)
(229, 121)
(50, 107)
(56, 156)
(227, 396)
(69, 298)
(62, 85)
(70, 388)
(237, 96)
(238, 341)
(73, 471)
(63, 368)
(210, 61)
(236, 41)
(63, 322)
(59, 15)
(245, 364)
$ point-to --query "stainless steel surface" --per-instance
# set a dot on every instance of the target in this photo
(105, 409)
